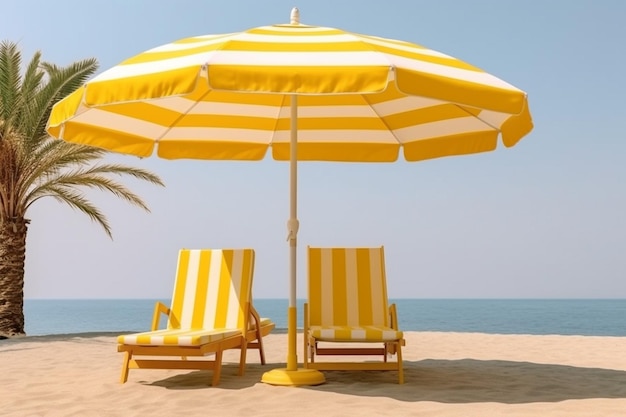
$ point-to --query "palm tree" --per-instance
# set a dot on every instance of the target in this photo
(33, 166)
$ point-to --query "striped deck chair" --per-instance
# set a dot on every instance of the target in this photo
(347, 311)
(211, 311)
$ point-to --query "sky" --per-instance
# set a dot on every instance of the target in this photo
(544, 219)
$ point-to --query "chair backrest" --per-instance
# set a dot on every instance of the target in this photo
(347, 287)
(212, 289)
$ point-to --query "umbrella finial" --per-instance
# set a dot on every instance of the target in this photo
(295, 16)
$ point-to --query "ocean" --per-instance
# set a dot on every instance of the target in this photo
(584, 317)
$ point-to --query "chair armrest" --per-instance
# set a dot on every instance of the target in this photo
(306, 319)
(393, 317)
(159, 307)
(255, 316)
(393, 323)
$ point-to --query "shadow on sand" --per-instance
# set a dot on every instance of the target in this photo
(445, 381)
(474, 381)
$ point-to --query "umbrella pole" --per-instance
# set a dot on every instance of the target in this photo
(292, 227)
(292, 375)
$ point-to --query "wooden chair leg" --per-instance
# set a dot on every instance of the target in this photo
(217, 368)
(306, 351)
(254, 315)
(125, 363)
(313, 345)
(260, 347)
(242, 358)
(305, 335)
(400, 365)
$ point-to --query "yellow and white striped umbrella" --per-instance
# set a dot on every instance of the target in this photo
(360, 98)
(308, 93)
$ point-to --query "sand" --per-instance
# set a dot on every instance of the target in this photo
(447, 374)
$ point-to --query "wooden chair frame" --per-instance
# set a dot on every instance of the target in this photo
(252, 338)
(385, 349)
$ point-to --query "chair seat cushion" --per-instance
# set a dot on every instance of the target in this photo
(177, 337)
(355, 333)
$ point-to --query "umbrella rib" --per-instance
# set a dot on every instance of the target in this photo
(463, 109)
(180, 117)
(478, 118)
(381, 118)
(277, 118)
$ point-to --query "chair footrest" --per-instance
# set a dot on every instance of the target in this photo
(350, 351)
(349, 366)
(170, 364)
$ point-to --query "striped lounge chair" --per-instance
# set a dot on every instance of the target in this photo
(211, 311)
(347, 311)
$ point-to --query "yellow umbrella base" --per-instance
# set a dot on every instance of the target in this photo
(298, 377)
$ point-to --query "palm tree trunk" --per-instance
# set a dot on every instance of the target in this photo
(12, 256)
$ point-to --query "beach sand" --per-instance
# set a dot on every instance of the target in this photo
(447, 374)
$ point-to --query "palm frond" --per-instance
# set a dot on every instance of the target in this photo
(118, 169)
(53, 156)
(10, 81)
(29, 92)
(76, 180)
(61, 82)
(32, 165)
(43, 163)
(80, 203)
(9, 175)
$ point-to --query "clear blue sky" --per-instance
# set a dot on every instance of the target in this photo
(543, 219)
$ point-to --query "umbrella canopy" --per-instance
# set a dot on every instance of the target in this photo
(361, 98)
(307, 92)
